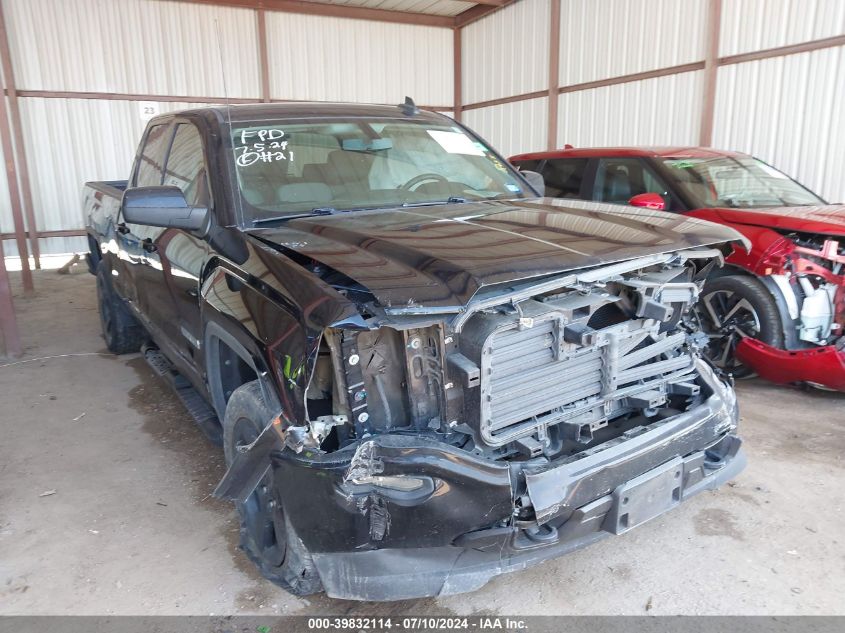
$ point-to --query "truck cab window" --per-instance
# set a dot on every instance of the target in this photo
(151, 161)
(186, 165)
(564, 176)
(619, 179)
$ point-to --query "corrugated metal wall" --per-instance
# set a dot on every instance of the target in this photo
(132, 46)
(511, 127)
(506, 53)
(659, 111)
(153, 47)
(753, 25)
(611, 38)
(356, 60)
(787, 110)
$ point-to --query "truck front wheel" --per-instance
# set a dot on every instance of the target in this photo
(267, 536)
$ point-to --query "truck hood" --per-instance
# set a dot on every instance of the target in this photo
(827, 220)
(441, 255)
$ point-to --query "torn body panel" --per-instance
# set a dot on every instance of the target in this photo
(504, 434)
(806, 275)
(456, 527)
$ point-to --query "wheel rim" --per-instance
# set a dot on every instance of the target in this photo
(727, 318)
(261, 512)
(106, 313)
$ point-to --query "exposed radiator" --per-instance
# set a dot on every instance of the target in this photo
(532, 378)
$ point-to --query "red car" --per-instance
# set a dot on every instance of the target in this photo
(777, 311)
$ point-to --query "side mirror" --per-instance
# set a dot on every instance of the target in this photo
(648, 201)
(163, 206)
(536, 181)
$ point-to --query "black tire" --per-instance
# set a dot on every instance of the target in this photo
(266, 535)
(734, 307)
(121, 330)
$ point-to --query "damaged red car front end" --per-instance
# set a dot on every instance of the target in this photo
(778, 308)
(799, 254)
(823, 366)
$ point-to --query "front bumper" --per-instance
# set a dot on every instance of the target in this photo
(371, 543)
(821, 365)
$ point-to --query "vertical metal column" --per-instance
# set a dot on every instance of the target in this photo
(711, 69)
(554, 73)
(457, 96)
(263, 61)
(22, 167)
(8, 321)
(14, 196)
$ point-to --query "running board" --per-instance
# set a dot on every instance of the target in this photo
(197, 406)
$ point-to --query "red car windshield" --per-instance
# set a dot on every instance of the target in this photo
(738, 182)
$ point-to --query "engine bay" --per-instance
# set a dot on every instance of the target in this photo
(545, 370)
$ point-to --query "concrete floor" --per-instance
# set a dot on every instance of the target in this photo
(131, 528)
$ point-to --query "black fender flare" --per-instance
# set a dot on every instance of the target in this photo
(221, 328)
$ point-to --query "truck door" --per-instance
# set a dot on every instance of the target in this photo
(181, 254)
(129, 269)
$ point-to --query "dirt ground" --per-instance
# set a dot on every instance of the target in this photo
(105, 504)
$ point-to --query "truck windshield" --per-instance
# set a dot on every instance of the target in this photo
(290, 167)
(737, 182)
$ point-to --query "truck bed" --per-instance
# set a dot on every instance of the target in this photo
(101, 203)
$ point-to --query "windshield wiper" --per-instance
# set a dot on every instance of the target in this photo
(294, 216)
(427, 203)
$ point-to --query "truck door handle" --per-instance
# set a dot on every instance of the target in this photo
(122, 229)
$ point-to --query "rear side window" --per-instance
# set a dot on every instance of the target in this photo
(186, 165)
(564, 176)
(152, 157)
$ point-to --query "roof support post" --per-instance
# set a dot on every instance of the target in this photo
(711, 70)
(8, 321)
(16, 130)
(554, 73)
(458, 70)
(263, 59)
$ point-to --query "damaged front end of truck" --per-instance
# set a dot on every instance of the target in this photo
(442, 446)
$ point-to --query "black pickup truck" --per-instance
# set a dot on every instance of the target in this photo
(422, 373)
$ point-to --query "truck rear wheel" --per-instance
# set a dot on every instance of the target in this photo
(122, 332)
(266, 535)
(732, 308)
